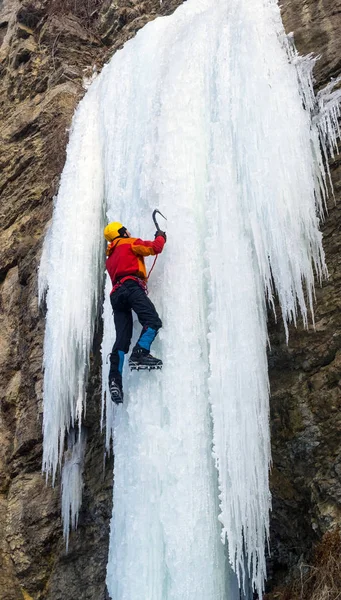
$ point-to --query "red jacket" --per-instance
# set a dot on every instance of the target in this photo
(125, 257)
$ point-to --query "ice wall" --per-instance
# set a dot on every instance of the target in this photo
(208, 115)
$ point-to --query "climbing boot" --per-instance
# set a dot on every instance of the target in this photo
(141, 359)
(116, 392)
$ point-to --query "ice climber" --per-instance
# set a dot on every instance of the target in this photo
(125, 265)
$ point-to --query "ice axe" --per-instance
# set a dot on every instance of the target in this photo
(154, 218)
(157, 229)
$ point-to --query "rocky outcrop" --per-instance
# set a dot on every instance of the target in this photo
(47, 47)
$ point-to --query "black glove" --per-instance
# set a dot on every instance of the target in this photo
(162, 233)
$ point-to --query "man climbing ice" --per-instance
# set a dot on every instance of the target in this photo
(126, 267)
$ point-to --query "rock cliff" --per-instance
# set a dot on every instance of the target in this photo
(47, 47)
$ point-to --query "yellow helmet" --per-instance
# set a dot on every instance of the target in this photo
(114, 230)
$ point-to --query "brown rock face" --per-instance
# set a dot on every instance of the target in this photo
(46, 46)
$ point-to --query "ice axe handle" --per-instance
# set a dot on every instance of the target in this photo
(154, 218)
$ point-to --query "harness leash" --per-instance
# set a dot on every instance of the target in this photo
(152, 267)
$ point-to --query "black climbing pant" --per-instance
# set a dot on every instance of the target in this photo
(131, 296)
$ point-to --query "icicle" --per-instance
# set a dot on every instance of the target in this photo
(43, 271)
(327, 118)
(72, 271)
(107, 409)
(72, 481)
(325, 111)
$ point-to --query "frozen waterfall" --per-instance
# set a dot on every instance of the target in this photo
(209, 116)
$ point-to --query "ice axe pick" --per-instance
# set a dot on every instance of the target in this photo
(154, 218)
(157, 229)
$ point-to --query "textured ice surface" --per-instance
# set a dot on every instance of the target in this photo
(208, 115)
